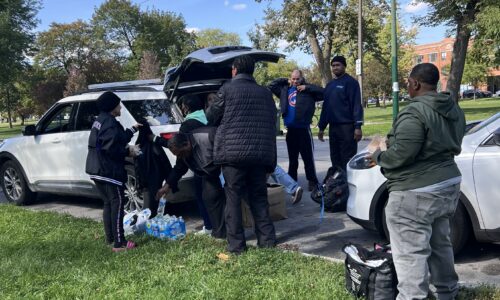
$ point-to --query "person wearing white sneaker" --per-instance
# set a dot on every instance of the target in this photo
(204, 231)
(291, 186)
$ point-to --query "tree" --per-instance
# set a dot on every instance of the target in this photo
(118, 23)
(76, 82)
(164, 34)
(475, 73)
(320, 27)
(17, 20)
(461, 17)
(48, 87)
(265, 73)
(216, 37)
(150, 66)
(65, 45)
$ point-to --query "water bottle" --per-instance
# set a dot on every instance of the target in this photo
(161, 206)
(149, 228)
(155, 228)
(183, 227)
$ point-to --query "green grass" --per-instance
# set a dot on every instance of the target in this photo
(47, 255)
(378, 120)
(6, 132)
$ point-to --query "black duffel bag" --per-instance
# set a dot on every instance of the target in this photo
(370, 274)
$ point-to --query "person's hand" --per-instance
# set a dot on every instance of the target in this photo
(320, 135)
(301, 88)
(134, 150)
(137, 126)
(369, 161)
(358, 134)
(163, 191)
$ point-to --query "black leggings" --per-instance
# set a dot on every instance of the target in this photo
(113, 197)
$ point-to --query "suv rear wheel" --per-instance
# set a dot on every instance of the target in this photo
(14, 184)
(135, 197)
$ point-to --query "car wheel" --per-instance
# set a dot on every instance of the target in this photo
(459, 228)
(14, 185)
(135, 197)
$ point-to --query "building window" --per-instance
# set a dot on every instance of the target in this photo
(432, 57)
(420, 59)
(443, 55)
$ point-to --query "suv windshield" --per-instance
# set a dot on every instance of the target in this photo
(157, 112)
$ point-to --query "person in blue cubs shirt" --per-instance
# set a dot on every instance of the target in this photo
(108, 146)
(343, 112)
(297, 104)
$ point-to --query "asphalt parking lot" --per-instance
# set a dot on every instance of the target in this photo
(477, 263)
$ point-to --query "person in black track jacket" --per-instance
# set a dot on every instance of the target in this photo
(108, 146)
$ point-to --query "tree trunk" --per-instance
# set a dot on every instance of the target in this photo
(9, 112)
(22, 120)
(460, 50)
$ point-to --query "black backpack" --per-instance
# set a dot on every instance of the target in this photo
(334, 190)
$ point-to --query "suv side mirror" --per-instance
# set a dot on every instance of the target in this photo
(29, 130)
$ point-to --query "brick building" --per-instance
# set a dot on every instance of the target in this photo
(439, 53)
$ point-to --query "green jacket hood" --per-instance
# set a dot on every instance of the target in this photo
(198, 115)
(441, 103)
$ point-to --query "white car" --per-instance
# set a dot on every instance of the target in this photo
(50, 156)
(479, 207)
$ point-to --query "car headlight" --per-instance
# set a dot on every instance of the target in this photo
(360, 162)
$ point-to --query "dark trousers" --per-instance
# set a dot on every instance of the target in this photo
(198, 191)
(343, 146)
(113, 197)
(149, 193)
(214, 201)
(247, 183)
(299, 140)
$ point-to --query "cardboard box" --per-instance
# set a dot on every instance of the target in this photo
(276, 196)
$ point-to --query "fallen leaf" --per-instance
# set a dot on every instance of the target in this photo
(223, 256)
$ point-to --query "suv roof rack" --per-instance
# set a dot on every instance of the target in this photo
(124, 84)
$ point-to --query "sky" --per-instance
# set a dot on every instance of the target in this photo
(237, 16)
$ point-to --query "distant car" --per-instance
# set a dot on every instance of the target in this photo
(477, 211)
(496, 94)
(372, 100)
(472, 94)
(487, 94)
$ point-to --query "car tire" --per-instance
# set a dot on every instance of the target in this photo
(459, 228)
(135, 196)
(14, 185)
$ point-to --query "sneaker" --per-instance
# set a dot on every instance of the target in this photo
(312, 185)
(297, 196)
(128, 246)
(204, 231)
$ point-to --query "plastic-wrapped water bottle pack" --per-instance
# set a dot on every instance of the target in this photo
(166, 226)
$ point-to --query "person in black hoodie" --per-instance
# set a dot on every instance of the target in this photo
(108, 146)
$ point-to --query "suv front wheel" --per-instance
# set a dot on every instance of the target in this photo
(14, 184)
(135, 198)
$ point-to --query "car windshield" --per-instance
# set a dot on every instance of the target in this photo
(483, 124)
(156, 112)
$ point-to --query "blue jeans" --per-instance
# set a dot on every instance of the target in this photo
(282, 177)
(419, 227)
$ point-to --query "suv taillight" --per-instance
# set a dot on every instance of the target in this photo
(167, 135)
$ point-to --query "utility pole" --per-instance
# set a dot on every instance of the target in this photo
(394, 59)
(359, 61)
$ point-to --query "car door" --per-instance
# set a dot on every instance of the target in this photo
(48, 153)
(486, 168)
(86, 114)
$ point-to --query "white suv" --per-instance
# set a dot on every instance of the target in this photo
(50, 156)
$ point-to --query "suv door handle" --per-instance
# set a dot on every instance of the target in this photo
(56, 141)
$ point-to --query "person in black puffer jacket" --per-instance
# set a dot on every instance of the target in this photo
(245, 147)
(108, 147)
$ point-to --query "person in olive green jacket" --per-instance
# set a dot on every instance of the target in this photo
(424, 186)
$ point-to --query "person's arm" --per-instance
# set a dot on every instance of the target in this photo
(160, 141)
(109, 144)
(216, 110)
(276, 85)
(316, 91)
(176, 174)
(357, 108)
(409, 137)
(323, 118)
